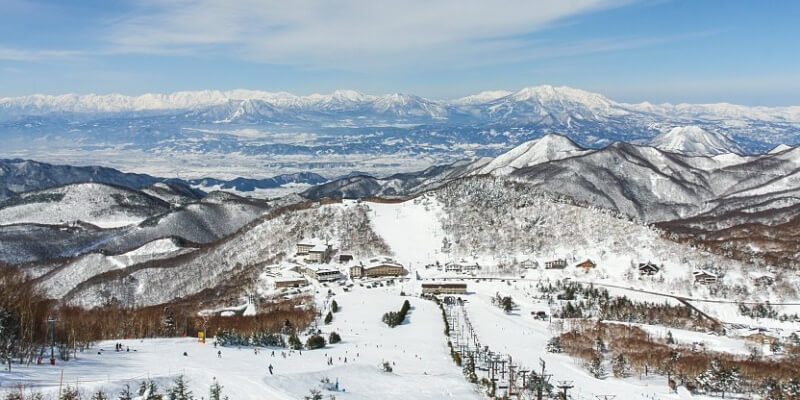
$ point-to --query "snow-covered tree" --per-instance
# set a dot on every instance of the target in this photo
(719, 378)
(215, 391)
(554, 345)
(596, 367)
(126, 393)
(179, 391)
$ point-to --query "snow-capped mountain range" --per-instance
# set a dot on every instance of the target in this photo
(499, 103)
(490, 121)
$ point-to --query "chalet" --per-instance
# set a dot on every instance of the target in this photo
(452, 267)
(345, 258)
(320, 273)
(444, 288)
(318, 253)
(461, 266)
(704, 277)
(528, 264)
(587, 265)
(648, 269)
(304, 247)
(556, 264)
(378, 268)
(290, 282)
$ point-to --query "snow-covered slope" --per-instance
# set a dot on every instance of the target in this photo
(98, 204)
(266, 240)
(482, 97)
(779, 149)
(500, 223)
(548, 148)
(694, 140)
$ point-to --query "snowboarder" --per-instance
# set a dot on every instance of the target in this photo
(270, 369)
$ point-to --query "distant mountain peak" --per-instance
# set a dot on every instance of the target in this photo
(694, 140)
(482, 97)
(780, 149)
(547, 148)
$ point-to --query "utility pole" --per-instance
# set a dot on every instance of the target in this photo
(564, 386)
(51, 325)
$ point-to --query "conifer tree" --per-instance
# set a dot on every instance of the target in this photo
(179, 391)
(126, 394)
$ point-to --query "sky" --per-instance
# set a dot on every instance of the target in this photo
(745, 52)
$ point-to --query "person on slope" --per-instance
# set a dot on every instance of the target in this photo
(270, 369)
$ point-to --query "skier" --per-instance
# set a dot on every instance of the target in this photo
(219, 353)
(270, 369)
(273, 353)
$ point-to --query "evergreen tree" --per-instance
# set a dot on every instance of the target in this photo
(69, 393)
(148, 390)
(179, 391)
(554, 345)
(328, 318)
(334, 306)
(670, 339)
(596, 367)
(315, 342)
(295, 343)
(720, 378)
(334, 338)
(314, 394)
(508, 304)
(215, 392)
(100, 395)
(126, 394)
(619, 366)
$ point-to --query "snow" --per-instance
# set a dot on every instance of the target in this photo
(780, 148)
(421, 360)
(98, 204)
(694, 140)
(548, 148)
(159, 246)
(482, 97)
(410, 228)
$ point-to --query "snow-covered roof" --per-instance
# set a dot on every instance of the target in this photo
(318, 248)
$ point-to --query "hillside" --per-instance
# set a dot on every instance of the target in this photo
(94, 203)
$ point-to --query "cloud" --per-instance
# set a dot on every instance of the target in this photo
(342, 33)
(14, 54)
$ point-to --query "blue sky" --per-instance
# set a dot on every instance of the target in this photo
(744, 52)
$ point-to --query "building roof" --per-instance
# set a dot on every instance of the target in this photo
(319, 248)
(444, 285)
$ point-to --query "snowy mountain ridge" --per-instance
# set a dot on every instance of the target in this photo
(694, 140)
(543, 95)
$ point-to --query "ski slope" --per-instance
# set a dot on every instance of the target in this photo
(422, 364)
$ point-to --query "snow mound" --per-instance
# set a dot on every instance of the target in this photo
(694, 140)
